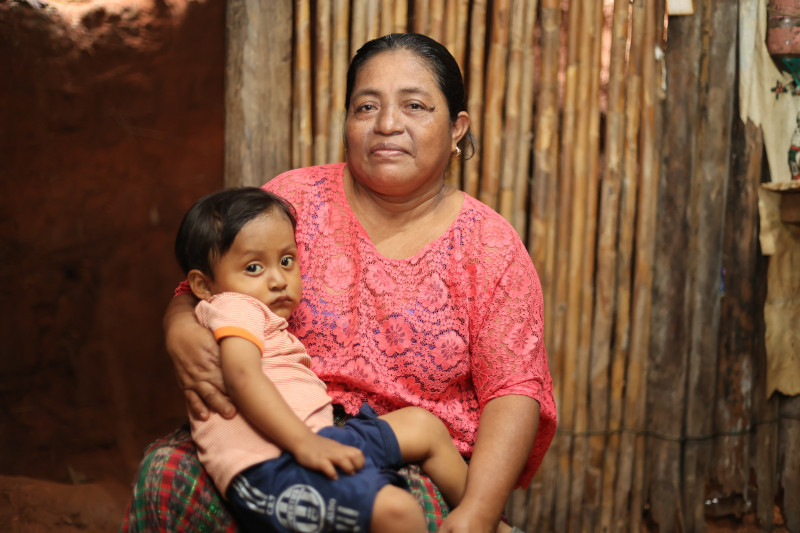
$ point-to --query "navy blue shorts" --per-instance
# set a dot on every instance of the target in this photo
(280, 495)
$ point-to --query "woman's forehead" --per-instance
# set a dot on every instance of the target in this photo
(389, 64)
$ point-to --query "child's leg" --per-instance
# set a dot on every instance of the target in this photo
(424, 439)
(396, 511)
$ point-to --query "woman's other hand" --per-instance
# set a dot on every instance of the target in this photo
(195, 355)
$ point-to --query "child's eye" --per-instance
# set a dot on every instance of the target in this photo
(287, 261)
(253, 268)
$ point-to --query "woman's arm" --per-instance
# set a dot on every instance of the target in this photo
(261, 403)
(195, 355)
(506, 433)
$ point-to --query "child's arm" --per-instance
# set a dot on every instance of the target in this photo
(256, 397)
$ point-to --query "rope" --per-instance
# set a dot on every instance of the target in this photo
(676, 438)
(771, 11)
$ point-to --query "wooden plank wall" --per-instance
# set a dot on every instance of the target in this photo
(609, 136)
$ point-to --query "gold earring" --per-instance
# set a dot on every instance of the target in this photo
(456, 154)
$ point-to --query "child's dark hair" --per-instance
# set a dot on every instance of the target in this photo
(211, 225)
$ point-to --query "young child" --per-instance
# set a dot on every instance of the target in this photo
(277, 462)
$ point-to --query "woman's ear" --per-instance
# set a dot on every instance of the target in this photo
(200, 284)
(460, 127)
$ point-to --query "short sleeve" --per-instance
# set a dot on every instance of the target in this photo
(236, 315)
(508, 354)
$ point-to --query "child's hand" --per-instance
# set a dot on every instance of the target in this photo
(326, 455)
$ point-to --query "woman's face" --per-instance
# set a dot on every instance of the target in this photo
(398, 131)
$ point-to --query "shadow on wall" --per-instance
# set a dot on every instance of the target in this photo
(112, 125)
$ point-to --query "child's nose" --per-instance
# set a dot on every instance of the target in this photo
(277, 280)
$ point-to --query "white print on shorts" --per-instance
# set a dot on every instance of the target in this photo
(300, 508)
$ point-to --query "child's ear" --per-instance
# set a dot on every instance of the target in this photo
(200, 284)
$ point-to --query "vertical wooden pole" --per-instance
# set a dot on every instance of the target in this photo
(436, 22)
(667, 368)
(493, 112)
(387, 16)
(609, 415)
(706, 221)
(734, 405)
(422, 14)
(524, 507)
(400, 16)
(358, 25)
(322, 80)
(257, 119)
(565, 363)
(341, 55)
(627, 496)
(541, 236)
(455, 36)
(593, 442)
(509, 145)
(578, 258)
(476, 78)
(525, 133)
(301, 154)
(373, 20)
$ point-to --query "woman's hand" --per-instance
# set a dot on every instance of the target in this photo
(195, 355)
(464, 520)
(506, 433)
(326, 455)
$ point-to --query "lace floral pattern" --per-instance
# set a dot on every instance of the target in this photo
(449, 329)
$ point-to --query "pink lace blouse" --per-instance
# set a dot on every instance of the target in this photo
(458, 324)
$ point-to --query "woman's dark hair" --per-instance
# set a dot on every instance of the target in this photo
(212, 224)
(441, 63)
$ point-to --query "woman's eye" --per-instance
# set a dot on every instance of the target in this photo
(287, 261)
(254, 268)
(364, 108)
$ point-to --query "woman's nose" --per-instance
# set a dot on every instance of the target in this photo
(388, 121)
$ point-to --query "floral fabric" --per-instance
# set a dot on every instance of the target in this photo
(458, 324)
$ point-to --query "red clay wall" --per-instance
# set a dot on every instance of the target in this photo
(111, 125)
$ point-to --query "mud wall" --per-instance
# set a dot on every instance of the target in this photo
(111, 125)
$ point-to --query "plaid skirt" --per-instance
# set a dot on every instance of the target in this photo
(173, 493)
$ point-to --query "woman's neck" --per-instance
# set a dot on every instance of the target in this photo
(400, 226)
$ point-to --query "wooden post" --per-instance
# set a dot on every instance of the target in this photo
(303, 114)
(667, 368)
(493, 112)
(541, 237)
(510, 137)
(257, 118)
(734, 409)
(455, 36)
(706, 221)
(627, 495)
(322, 81)
(422, 14)
(564, 362)
(594, 448)
(476, 78)
(340, 59)
(521, 205)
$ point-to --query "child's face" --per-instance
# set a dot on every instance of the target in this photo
(262, 263)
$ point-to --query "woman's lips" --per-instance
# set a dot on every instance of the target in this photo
(388, 149)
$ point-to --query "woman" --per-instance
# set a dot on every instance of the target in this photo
(415, 293)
